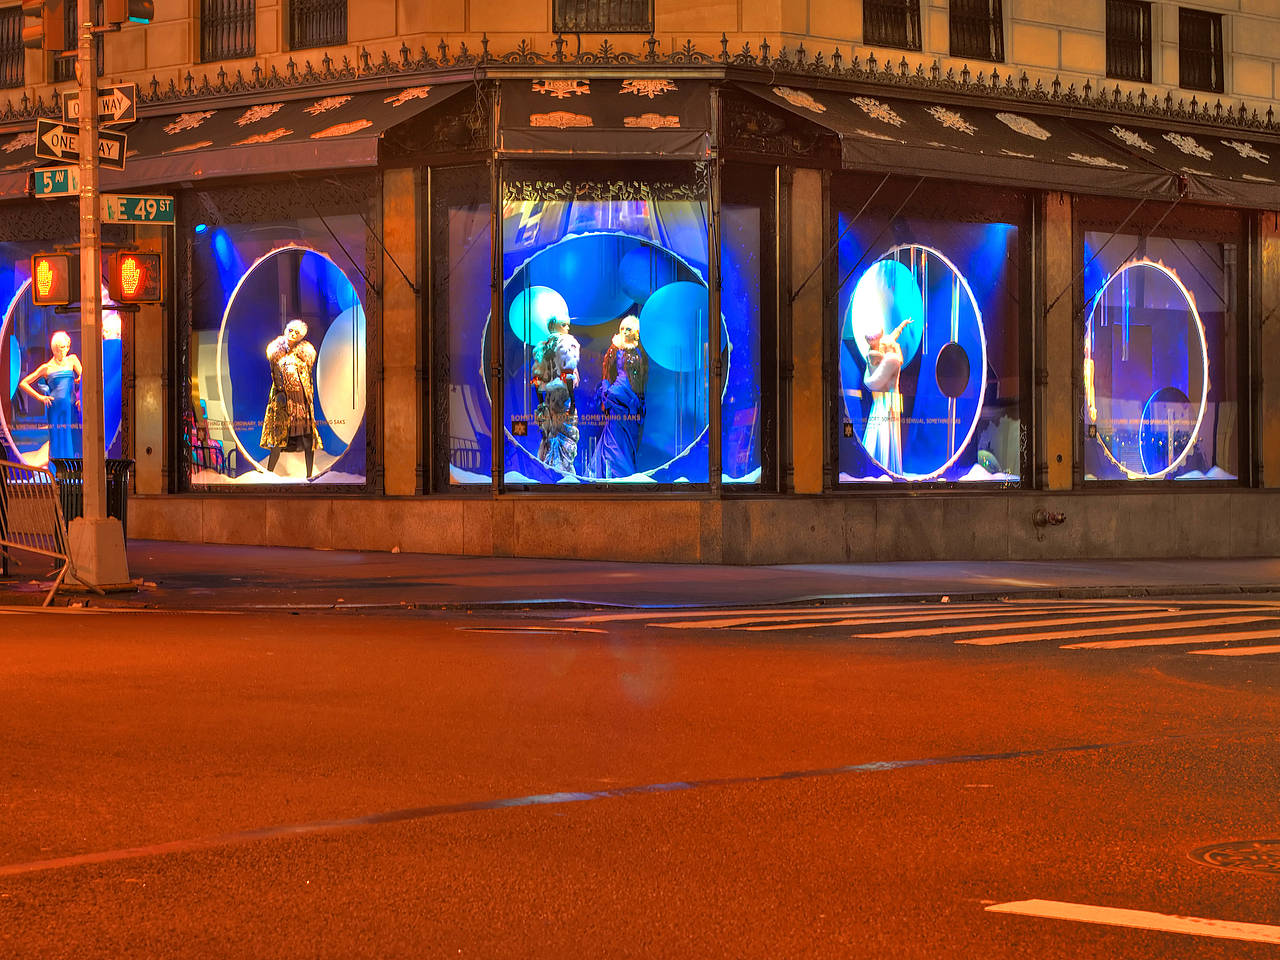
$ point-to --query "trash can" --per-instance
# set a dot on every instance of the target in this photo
(70, 474)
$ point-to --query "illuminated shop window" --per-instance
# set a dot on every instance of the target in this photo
(606, 332)
(928, 352)
(277, 354)
(1160, 360)
(40, 371)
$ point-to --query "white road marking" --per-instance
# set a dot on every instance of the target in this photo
(685, 612)
(1174, 640)
(1095, 629)
(944, 614)
(1238, 651)
(1141, 920)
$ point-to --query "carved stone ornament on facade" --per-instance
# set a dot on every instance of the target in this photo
(798, 98)
(188, 147)
(1095, 161)
(1023, 125)
(267, 137)
(326, 104)
(876, 110)
(952, 120)
(254, 114)
(20, 142)
(651, 121)
(187, 121)
(1189, 146)
(648, 88)
(1247, 151)
(1132, 139)
(341, 129)
(562, 89)
(408, 94)
(560, 119)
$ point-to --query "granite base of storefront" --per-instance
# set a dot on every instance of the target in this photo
(747, 531)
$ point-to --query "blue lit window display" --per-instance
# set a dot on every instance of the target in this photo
(40, 348)
(928, 351)
(278, 354)
(605, 339)
(1160, 359)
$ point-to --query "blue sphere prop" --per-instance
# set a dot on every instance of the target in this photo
(673, 325)
(532, 309)
(644, 270)
(885, 295)
(585, 270)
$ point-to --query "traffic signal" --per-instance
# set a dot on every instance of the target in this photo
(44, 25)
(129, 11)
(135, 277)
(55, 279)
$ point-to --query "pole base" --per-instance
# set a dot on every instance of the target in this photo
(97, 552)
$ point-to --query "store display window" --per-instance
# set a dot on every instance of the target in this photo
(41, 374)
(929, 349)
(1160, 364)
(278, 353)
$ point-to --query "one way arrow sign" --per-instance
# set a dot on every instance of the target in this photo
(116, 104)
(58, 141)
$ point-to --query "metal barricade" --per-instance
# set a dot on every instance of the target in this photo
(31, 517)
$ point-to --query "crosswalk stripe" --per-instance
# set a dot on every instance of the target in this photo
(841, 619)
(1157, 620)
(1176, 640)
(1239, 651)
(1095, 629)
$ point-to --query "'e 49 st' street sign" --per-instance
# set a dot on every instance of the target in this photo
(123, 208)
(60, 141)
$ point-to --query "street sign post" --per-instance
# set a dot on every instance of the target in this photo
(57, 141)
(116, 104)
(126, 208)
(56, 181)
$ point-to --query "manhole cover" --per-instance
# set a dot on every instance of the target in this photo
(1251, 856)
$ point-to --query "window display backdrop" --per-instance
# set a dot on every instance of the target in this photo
(278, 354)
(605, 342)
(33, 431)
(928, 351)
(1160, 361)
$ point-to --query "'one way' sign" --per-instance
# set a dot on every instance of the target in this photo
(58, 141)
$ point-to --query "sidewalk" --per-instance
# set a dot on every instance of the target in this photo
(183, 576)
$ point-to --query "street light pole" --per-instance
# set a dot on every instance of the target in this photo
(96, 540)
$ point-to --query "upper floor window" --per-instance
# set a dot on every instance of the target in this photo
(226, 29)
(12, 53)
(317, 23)
(977, 29)
(602, 16)
(64, 68)
(1129, 40)
(1200, 50)
(891, 23)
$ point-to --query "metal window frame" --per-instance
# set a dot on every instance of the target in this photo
(876, 13)
(992, 22)
(213, 49)
(1189, 17)
(1141, 44)
(587, 16)
(12, 52)
(299, 10)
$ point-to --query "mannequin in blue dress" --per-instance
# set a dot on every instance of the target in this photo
(62, 401)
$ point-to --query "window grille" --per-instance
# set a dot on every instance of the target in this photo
(977, 29)
(1129, 40)
(1200, 50)
(891, 23)
(226, 29)
(64, 68)
(12, 53)
(602, 16)
(317, 23)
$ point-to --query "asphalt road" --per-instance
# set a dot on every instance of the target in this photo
(861, 782)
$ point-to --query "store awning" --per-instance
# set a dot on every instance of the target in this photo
(973, 143)
(279, 136)
(599, 117)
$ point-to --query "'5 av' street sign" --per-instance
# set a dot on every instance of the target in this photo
(58, 141)
(116, 104)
